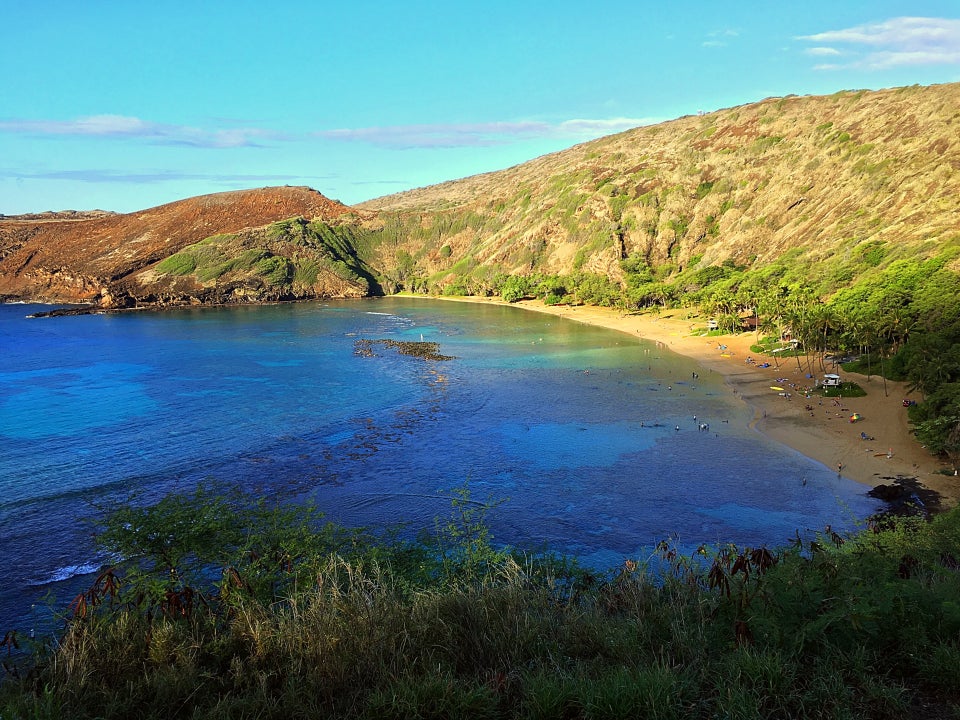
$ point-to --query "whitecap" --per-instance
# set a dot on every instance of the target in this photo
(66, 572)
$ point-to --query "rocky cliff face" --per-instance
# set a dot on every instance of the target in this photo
(111, 259)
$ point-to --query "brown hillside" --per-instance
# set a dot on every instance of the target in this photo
(816, 175)
(71, 260)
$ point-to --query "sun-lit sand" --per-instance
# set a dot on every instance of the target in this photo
(819, 428)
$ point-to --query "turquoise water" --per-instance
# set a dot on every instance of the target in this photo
(574, 428)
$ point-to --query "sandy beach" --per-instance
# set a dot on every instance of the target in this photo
(819, 428)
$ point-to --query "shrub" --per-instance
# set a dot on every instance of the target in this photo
(275, 270)
(703, 189)
(250, 609)
(181, 263)
(306, 273)
(515, 287)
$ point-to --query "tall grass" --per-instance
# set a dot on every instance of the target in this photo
(307, 620)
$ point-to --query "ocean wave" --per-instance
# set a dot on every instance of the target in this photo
(65, 573)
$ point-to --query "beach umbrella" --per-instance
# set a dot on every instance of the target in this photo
(854, 417)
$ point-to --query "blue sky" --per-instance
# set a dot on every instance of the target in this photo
(124, 105)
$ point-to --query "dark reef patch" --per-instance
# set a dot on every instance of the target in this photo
(423, 350)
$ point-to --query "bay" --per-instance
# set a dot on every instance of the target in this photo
(589, 439)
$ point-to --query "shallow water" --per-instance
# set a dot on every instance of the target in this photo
(586, 435)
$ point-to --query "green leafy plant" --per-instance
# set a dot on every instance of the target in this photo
(264, 610)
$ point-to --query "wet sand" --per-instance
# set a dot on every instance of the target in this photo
(819, 428)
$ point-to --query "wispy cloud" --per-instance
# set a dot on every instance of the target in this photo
(823, 52)
(898, 42)
(607, 126)
(451, 135)
(440, 135)
(126, 127)
(719, 38)
(148, 176)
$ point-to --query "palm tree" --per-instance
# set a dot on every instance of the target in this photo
(879, 331)
(828, 320)
(853, 332)
(800, 313)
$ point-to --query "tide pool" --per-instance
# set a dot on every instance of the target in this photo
(587, 436)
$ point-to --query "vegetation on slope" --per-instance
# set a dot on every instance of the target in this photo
(828, 179)
(289, 259)
(900, 318)
(102, 257)
(831, 218)
(228, 607)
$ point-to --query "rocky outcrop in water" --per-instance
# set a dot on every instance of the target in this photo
(422, 350)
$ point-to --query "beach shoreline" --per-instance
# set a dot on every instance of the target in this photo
(819, 428)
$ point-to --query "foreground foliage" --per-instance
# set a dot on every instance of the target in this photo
(230, 608)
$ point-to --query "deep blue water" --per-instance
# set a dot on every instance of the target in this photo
(574, 428)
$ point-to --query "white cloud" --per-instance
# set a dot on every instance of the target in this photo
(122, 126)
(603, 127)
(144, 177)
(898, 42)
(479, 134)
(716, 38)
(440, 135)
(822, 51)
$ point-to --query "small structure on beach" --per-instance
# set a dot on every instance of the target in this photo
(831, 380)
(788, 346)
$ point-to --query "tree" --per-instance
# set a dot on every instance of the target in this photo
(514, 288)
(941, 435)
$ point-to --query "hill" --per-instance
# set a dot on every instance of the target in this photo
(827, 189)
(111, 259)
(791, 196)
(835, 179)
(833, 221)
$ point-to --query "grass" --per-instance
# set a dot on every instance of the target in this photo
(844, 389)
(294, 255)
(258, 611)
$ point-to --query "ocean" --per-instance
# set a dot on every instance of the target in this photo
(588, 439)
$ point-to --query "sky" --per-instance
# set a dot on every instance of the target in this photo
(124, 105)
